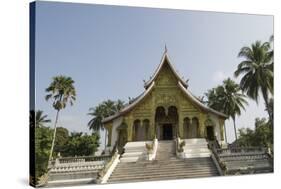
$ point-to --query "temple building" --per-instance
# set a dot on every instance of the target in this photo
(165, 110)
(165, 133)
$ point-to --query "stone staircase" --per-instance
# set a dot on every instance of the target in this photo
(134, 151)
(166, 166)
(196, 147)
(166, 150)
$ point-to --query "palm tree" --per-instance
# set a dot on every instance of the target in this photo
(271, 52)
(40, 119)
(227, 98)
(103, 110)
(257, 71)
(61, 91)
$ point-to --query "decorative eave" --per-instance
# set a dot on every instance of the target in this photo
(165, 58)
(200, 104)
(128, 108)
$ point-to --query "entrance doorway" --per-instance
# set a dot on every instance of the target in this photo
(167, 132)
(210, 133)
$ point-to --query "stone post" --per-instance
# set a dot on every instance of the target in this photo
(109, 128)
(130, 129)
(221, 123)
(202, 119)
(180, 124)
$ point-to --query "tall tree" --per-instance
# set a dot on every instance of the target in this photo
(40, 119)
(61, 91)
(257, 71)
(227, 98)
(81, 144)
(103, 110)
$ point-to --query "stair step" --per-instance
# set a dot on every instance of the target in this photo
(168, 170)
(163, 177)
(181, 167)
(130, 154)
(197, 164)
(165, 174)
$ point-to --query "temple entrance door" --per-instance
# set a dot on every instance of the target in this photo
(210, 133)
(167, 132)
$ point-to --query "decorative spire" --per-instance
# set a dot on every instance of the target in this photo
(166, 50)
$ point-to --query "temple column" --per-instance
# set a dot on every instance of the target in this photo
(130, 129)
(152, 130)
(202, 119)
(109, 134)
(221, 124)
(180, 124)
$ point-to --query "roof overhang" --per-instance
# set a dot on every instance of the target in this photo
(130, 106)
(200, 104)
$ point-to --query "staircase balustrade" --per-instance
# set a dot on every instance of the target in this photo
(180, 147)
(109, 167)
(152, 150)
(216, 158)
(241, 160)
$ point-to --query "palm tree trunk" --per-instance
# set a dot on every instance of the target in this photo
(234, 123)
(54, 136)
(265, 97)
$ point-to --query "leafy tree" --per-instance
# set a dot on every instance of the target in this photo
(262, 135)
(43, 141)
(271, 52)
(269, 109)
(227, 98)
(103, 110)
(80, 144)
(75, 144)
(62, 137)
(61, 91)
(38, 119)
(257, 71)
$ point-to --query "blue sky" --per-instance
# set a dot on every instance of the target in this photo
(110, 50)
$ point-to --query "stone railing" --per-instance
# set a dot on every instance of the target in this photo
(109, 167)
(216, 159)
(240, 160)
(180, 147)
(241, 150)
(151, 149)
(81, 159)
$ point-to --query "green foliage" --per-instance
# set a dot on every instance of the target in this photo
(104, 109)
(256, 70)
(37, 119)
(75, 144)
(62, 137)
(43, 141)
(80, 144)
(227, 98)
(62, 91)
(262, 135)
(269, 109)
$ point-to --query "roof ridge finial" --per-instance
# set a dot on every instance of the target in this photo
(166, 50)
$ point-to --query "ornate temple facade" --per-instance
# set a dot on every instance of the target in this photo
(165, 110)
